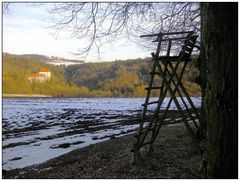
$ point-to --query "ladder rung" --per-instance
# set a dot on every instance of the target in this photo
(174, 59)
(158, 73)
(154, 102)
(148, 88)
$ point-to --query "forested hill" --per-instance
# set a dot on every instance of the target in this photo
(104, 79)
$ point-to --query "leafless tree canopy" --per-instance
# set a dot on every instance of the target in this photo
(99, 23)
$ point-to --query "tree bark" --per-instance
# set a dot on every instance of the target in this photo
(219, 38)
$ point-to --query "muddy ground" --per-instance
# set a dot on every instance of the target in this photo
(173, 156)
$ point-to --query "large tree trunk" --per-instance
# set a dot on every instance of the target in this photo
(220, 61)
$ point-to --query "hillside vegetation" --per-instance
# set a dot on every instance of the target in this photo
(104, 79)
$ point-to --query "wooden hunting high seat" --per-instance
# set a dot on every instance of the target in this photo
(170, 72)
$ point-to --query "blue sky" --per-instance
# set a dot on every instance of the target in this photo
(26, 31)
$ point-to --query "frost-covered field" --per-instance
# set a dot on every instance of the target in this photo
(38, 129)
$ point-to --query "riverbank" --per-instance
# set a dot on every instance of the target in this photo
(173, 157)
(25, 95)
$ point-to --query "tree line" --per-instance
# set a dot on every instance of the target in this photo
(103, 79)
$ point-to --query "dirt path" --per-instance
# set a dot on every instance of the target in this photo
(173, 157)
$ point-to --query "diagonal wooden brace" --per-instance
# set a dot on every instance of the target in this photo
(173, 96)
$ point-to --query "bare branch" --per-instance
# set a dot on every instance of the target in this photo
(99, 23)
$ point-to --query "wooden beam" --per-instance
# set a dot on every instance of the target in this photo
(169, 33)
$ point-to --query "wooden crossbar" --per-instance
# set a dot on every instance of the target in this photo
(167, 33)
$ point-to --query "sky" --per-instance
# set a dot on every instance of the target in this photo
(26, 31)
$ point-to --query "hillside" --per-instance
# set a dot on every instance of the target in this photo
(17, 68)
(48, 60)
(104, 79)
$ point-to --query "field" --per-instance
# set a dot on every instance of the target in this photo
(38, 129)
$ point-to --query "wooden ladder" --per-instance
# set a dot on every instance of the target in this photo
(169, 70)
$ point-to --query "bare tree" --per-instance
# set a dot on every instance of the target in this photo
(220, 69)
(101, 23)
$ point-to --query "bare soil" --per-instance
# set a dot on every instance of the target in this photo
(173, 157)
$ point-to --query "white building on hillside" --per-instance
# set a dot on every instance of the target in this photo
(43, 75)
(45, 71)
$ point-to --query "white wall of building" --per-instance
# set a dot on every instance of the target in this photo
(47, 74)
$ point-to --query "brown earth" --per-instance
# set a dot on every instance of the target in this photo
(173, 157)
